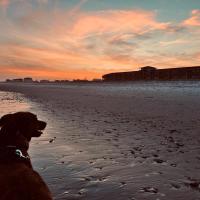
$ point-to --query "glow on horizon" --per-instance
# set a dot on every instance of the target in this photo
(53, 39)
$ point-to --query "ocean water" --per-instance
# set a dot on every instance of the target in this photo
(13, 102)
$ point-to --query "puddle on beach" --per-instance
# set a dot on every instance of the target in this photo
(97, 152)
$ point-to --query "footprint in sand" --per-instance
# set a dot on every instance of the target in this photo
(151, 190)
(159, 161)
(175, 186)
(193, 183)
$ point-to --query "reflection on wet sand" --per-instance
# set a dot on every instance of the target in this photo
(12, 102)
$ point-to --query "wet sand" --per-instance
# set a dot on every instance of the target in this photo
(117, 141)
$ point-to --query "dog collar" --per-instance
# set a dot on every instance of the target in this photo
(19, 153)
(13, 151)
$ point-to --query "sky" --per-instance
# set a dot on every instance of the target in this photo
(84, 39)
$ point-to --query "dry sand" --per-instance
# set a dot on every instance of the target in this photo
(117, 141)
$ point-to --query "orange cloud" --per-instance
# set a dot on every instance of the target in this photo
(194, 20)
(135, 21)
(45, 63)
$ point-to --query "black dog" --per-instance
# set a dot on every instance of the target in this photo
(18, 180)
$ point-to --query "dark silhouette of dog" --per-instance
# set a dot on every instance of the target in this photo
(18, 180)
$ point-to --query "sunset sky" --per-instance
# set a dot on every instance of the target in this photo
(78, 39)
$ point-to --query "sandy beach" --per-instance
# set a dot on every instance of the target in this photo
(122, 141)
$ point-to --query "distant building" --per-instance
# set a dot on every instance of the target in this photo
(44, 81)
(152, 73)
(19, 80)
(61, 81)
(28, 80)
(80, 80)
(96, 80)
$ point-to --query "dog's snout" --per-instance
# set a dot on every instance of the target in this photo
(41, 125)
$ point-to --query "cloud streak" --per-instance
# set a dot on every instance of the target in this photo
(136, 21)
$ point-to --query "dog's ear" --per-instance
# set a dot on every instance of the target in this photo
(6, 119)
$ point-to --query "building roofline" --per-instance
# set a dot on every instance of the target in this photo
(156, 69)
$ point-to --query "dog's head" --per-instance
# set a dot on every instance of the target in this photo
(20, 125)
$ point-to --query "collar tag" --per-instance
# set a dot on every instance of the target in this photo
(19, 153)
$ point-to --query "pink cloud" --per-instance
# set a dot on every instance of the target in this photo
(194, 20)
(136, 21)
(4, 3)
